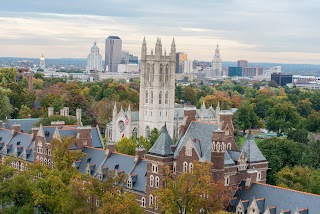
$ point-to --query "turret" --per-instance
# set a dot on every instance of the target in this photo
(144, 49)
(217, 153)
(115, 111)
(173, 51)
(158, 49)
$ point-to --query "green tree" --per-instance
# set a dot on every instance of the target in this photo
(281, 153)
(273, 84)
(192, 192)
(5, 107)
(283, 117)
(299, 178)
(189, 95)
(246, 117)
(24, 112)
(127, 146)
(313, 122)
(154, 136)
(47, 121)
(299, 135)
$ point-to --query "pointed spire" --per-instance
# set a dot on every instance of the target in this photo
(144, 41)
(165, 52)
(218, 106)
(173, 43)
(203, 105)
(129, 107)
(151, 51)
(115, 106)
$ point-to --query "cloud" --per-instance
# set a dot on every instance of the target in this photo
(281, 31)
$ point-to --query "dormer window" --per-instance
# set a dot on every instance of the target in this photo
(15, 153)
(129, 183)
(227, 180)
(259, 176)
(100, 176)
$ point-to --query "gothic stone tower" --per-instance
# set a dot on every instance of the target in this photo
(157, 89)
(217, 63)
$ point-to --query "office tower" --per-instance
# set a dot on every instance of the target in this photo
(124, 57)
(242, 63)
(282, 79)
(42, 64)
(217, 64)
(94, 60)
(180, 58)
(235, 71)
(113, 48)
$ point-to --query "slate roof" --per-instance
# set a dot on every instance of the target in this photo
(253, 152)
(48, 132)
(96, 141)
(201, 134)
(227, 159)
(96, 156)
(25, 124)
(283, 199)
(178, 113)
(30, 157)
(5, 135)
(140, 169)
(23, 139)
(123, 162)
(207, 113)
(234, 155)
(162, 146)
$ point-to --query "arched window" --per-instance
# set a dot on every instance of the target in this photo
(45, 161)
(185, 167)
(22, 167)
(143, 202)
(157, 183)
(151, 180)
(167, 74)
(148, 74)
(147, 132)
(156, 202)
(135, 133)
(152, 74)
(213, 145)
(227, 181)
(49, 162)
(190, 167)
(39, 148)
(161, 73)
(223, 146)
(146, 96)
(150, 200)
(41, 161)
(229, 146)
(160, 97)
(129, 183)
(218, 147)
(166, 97)
(151, 98)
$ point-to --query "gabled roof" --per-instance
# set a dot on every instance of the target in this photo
(96, 141)
(5, 135)
(162, 146)
(94, 156)
(251, 149)
(281, 198)
(22, 139)
(227, 159)
(140, 169)
(25, 124)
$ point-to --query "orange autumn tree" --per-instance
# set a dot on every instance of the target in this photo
(194, 192)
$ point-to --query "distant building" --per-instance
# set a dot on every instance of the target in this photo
(180, 59)
(124, 57)
(235, 71)
(133, 59)
(242, 63)
(113, 48)
(128, 68)
(252, 72)
(282, 79)
(94, 60)
(42, 64)
(275, 69)
(187, 66)
(217, 64)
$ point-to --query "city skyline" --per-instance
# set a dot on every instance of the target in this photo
(280, 32)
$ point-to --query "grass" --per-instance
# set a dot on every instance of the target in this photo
(243, 139)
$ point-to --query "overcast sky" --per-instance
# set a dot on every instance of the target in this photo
(285, 31)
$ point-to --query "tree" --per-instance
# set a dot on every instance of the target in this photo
(299, 178)
(189, 95)
(246, 116)
(192, 192)
(24, 112)
(127, 146)
(154, 136)
(299, 135)
(47, 121)
(273, 84)
(313, 122)
(5, 107)
(283, 117)
(281, 153)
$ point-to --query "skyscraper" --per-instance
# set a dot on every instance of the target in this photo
(42, 64)
(242, 63)
(217, 64)
(113, 53)
(94, 60)
(180, 58)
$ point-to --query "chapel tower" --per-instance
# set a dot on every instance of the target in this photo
(157, 89)
(217, 64)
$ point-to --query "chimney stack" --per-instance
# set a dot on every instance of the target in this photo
(50, 111)
(16, 129)
(139, 154)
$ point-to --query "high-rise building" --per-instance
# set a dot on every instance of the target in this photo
(157, 89)
(217, 64)
(252, 72)
(124, 57)
(187, 66)
(282, 79)
(94, 60)
(113, 48)
(242, 63)
(180, 58)
(235, 71)
(42, 64)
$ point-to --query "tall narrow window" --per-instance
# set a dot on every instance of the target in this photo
(166, 97)
(147, 132)
(135, 133)
(150, 200)
(151, 180)
(143, 202)
(152, 73)
(160, 97)
(148, 74)
(190, 168)
(151, 98)
(157, 182)
(146, 96)
(185, 167)
(160, 73)
(167, 74)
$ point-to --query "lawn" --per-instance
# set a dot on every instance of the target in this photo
(243, 139)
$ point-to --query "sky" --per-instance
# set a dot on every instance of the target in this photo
(285, 31)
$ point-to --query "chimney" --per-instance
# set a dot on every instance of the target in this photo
(111, 148)
(78, 115)
(217, 154)
(50, 111)
(1, 124)
(34, 131)
(16, 129)
(139, 154)
(62, 112)
(66, 111)
(84, 137)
